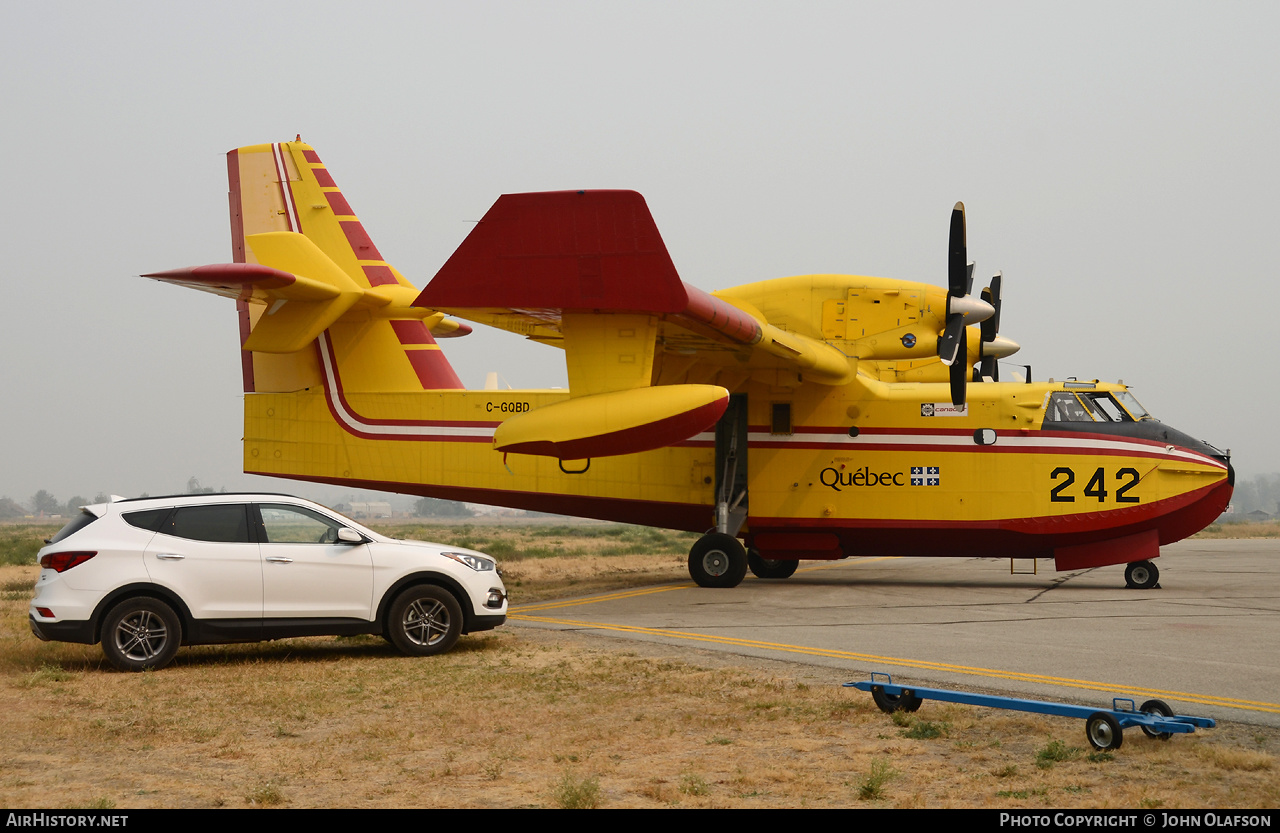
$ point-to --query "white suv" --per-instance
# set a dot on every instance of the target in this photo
(145, 576)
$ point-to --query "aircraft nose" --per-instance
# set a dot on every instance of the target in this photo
(1231, 472)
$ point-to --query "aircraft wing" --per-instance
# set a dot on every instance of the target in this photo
(544, 265)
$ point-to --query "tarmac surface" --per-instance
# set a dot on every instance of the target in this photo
(1206, 641)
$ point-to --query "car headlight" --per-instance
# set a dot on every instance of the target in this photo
(476, 562)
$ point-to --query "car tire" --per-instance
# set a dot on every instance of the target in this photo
(424, 620)
(141, 634)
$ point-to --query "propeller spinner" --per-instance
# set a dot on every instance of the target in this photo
(962, 308)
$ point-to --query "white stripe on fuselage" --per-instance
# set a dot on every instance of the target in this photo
(354, 422)
(422, 430)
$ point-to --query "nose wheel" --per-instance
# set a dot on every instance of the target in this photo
(1141, 575)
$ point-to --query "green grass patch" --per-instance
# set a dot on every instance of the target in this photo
(872, 787)
(1056, 752)
(19, 543)
(516, 543)
(569, 793)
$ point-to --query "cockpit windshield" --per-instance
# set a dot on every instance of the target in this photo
(1090, 406)
(1129, 401)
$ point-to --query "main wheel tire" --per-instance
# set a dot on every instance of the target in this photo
(768, 568)
(1103, 731)
(1142, 575)
(890, 703)
(717, 560)
(1161, 708)
(424, 620)
(141, 634)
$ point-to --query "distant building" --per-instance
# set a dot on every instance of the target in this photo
(371, 510)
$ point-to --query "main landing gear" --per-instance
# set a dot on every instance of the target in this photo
(717, 559)
(767, 567)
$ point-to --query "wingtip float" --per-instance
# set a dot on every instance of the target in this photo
(807, 417)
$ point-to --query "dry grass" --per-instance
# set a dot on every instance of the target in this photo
(1266, 529)
(529, 718)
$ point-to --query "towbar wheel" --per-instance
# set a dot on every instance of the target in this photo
(1104, 731)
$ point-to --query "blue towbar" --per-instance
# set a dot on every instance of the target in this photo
(1104, 727)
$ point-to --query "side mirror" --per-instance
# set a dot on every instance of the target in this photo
(985, 436)
(347, 535)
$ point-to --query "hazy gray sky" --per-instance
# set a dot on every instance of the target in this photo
(1118, 162)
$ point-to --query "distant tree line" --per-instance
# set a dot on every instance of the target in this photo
(1261, 492)
(44, 503)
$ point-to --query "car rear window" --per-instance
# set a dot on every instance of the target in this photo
(73, 526)
(148, 519)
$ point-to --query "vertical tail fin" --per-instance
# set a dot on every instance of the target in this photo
(306, 276)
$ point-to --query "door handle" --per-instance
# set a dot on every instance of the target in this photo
(279, 559)
(170, 556)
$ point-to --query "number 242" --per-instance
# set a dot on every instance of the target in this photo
(1096, 487)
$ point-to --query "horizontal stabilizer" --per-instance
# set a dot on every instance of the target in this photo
(304, 291)
(234, 279)
(609, 424)
(290, 325)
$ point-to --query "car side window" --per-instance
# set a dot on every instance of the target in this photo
(284, 524)
(221, 523)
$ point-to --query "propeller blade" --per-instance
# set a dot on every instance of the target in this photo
(949, 343)
(960, 374)
(996, 280)
(988, 326)
(990, 368)
(957, 254)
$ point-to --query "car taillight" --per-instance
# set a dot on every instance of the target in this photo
(63, 561)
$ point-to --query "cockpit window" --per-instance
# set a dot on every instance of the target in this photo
(1131, 404)
(1095, 406)
(1065, 407)
(1106, 407)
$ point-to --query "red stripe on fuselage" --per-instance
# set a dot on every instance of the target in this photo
(1173, 518)
(333, 386)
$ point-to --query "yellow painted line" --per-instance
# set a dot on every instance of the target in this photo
(1203, 699)
(622, 594)
(645, 591)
